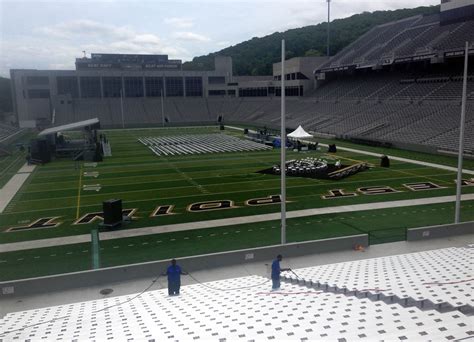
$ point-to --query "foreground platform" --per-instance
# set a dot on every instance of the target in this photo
(242, 307)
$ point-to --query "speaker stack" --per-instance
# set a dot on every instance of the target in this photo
(112, 212)
(384, 161)
(40, 150)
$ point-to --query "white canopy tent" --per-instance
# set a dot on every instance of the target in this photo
(299, 133)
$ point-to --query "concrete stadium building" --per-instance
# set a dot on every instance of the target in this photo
(43, 96)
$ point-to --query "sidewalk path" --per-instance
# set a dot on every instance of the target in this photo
(126, 233)
(13, 185)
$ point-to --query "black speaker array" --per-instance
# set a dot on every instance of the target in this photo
(384, 161)
(112, 212)
(40, 150)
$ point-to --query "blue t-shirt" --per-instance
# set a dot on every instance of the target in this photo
(276, 269)
(174, 273)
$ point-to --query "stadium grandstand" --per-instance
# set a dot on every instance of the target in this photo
(396, 84)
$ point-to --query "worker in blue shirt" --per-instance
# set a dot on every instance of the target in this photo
(276, 270)
(174, 278)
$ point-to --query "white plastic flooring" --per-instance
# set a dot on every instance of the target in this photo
(440, 276)
(244, 309)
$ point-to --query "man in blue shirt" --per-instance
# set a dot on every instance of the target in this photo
(276, 270)
(174, 278)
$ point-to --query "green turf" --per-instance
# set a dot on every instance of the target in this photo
(143, 181)
(383, 226)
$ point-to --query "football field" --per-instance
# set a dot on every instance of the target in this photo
(64, 198)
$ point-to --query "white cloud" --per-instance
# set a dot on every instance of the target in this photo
(191, 36)
(180, 23)
(67, 40)
(86, 28)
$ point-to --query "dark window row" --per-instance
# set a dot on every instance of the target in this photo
(216, 80)
(253, 92)
(38, 93)
(290, 91)
(217, 92)
(133, 86)
(292, 76)
(112, 86)
(67, 85)
(37, 80)
(193, 86)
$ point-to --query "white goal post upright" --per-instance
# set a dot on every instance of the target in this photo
(283, 147)
(457, 215)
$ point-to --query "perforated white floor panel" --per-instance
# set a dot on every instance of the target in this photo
(441, 276)
(249, 314)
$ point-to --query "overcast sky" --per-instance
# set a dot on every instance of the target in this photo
(40, 34)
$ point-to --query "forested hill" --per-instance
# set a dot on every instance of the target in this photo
(256, 56)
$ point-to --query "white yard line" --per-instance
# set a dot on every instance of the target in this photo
(127, 233)
(13, 185)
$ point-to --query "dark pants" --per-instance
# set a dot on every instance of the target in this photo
(173, 287)
(275, 283)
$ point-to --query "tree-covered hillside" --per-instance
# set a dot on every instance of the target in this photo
(256, 56)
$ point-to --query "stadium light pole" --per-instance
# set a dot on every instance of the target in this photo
(457, 215)
(121, 106)
(328, 34)
(283, 147)
(162, 109)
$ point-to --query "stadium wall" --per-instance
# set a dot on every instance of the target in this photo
(436, 232)
(195, 263)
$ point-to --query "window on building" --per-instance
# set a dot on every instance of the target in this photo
(174, 86)
(90, 87)
(193, 86)
(231, 92)
(67, 85)
(217, 92)
(133, 86)
(112, 86)
(37, 80)
(300, 76)
(38, 93)
(290, 91)
(253, 92)
(153, 86)
(216, 80)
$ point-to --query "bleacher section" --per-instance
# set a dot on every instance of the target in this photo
(244, 309)
(415, 36)
(423, 113)
(7, 131)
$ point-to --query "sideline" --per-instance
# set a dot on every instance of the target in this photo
(127, 233)
(373, 154)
